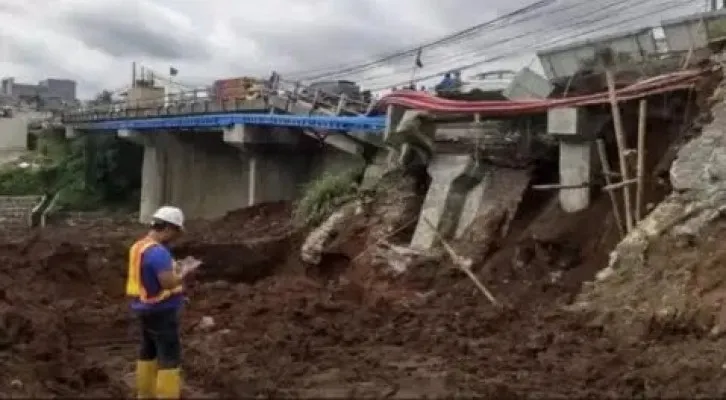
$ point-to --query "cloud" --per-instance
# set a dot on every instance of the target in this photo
(95, 41)
(133, 29)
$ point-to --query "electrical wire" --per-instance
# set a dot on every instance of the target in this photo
(344, 73)
(472, 34)
(449, 39)
(487, 47)
(673, 5)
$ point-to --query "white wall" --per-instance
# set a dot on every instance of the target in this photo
(13, 133)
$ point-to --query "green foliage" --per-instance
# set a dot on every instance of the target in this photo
(89, 172)
(322, 196)
(21, 182)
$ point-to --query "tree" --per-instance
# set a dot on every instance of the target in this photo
(104, 97)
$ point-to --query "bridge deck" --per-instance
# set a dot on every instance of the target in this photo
(340, 123)
(269, 111)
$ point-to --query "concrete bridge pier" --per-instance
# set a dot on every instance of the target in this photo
(452, 178)
(211, 173)
(570, 126)
(275, 158)
(193, 170)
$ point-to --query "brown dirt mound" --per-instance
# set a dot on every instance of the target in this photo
(65, 331)
(680, 290)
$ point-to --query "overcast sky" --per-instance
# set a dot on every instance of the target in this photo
(95, 41)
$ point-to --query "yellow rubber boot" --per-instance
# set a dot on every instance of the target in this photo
(146, 379)
(168, 384)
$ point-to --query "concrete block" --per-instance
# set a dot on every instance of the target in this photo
(501, 188)
(372, 138)
(375, 170)
(133, 136)
(528, 84)
(344, 143)
(247, 136)
(234, 135)
(575, 169)
(394, 115)
(71, 132)
(566, 121)
(444, 169)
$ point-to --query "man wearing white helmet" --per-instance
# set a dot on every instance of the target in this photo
(155, 285)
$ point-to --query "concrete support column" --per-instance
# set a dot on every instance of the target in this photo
(208, 174)
(500, 190)
(71, 132)
(153, 174)
(276, 176)
(569, 125)
(195, 171)
(253, 177)
(445, 170)
(276, 166)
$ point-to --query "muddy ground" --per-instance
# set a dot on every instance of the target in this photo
(281, 330)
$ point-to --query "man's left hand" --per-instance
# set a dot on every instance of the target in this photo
(188, 265)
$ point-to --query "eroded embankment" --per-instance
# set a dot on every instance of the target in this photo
(667, 273)
(360, 329)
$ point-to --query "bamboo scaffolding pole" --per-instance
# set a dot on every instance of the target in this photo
(640, 171)
(605, 165)
(620, 139)
(554, 186)
(621, 184)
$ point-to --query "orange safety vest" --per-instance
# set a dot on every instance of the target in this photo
(134, 286)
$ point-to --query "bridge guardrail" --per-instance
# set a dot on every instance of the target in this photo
(277, 95)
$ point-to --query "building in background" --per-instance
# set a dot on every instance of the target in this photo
(47, 95)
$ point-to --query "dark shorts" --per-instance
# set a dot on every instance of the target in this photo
(160, 337)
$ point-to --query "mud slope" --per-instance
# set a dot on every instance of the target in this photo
(65, 332)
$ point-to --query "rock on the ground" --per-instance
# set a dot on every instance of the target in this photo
(316, 242)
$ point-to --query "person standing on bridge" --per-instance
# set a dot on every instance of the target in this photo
(155, 284)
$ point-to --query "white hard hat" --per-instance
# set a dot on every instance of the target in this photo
(172, 215)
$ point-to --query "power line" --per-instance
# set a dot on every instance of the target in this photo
(459, 39)
(457, 35)
(449, 61)
(487, 46)
(447, 57)
(673, 5)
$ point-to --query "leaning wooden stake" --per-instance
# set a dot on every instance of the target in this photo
(463, 263)
(605, 164)
(619, 185)
(620, 139)
(640, 172)
(558, 186)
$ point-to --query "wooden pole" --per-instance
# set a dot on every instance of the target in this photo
(555, 186)
(605, 165)
(620, 139)
(640, 172)
(621, 184)
(464, 264)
